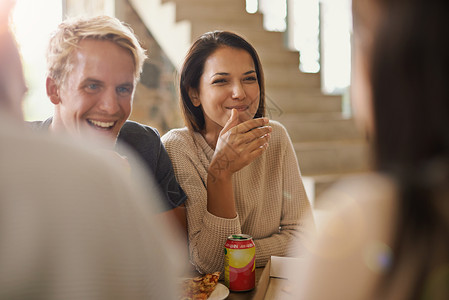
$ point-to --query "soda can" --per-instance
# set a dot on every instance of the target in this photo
(240, 263)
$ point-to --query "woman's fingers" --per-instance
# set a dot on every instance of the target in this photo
(245, 151)
(232, 122)
(250, 125)
(240, 144)
(255, 134)
(257, 144)
(253, 150)
(257, 152)
(241, 139)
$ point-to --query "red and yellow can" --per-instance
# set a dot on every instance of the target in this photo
(240, 263)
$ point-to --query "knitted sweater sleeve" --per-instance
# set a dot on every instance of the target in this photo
(207, 233)
(295, 207)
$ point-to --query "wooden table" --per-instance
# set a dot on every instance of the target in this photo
(233, 295)
(274, 284)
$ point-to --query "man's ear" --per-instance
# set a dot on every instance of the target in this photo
(52, 90)
(194, 97)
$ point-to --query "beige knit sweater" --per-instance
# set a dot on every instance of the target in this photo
(270, 198)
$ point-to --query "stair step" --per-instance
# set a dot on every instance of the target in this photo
(333, 157)
(310, 127)
(267, 39)
(242, 27)
(277, 80)
(238, 4)
(280, 57)
(213, 13)
(280, 101)
(287, 70)
(249, 26)
(290, 76)
(269, 52)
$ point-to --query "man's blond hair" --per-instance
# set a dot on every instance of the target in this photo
(65, 40)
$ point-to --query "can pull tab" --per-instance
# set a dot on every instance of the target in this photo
(238, 237)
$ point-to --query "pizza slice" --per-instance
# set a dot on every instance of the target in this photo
(199, 288)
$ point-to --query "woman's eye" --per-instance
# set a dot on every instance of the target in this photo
(221, 80)
(251, 78)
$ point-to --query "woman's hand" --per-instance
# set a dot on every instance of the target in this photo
(238, 145)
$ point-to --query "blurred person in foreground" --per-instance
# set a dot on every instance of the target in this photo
(389, 236)
(71, 225)
(93, 66)
(238, 168)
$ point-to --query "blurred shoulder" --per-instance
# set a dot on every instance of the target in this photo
(365, 188)
(355, 221)
(48, 153)
(362, 207)
(39, 125)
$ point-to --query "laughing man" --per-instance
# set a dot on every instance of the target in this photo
(93, 66)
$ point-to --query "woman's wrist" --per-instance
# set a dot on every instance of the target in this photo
(219, 171)
(220, 195)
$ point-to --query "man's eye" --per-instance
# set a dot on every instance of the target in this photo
(92, 88)
(124, 90)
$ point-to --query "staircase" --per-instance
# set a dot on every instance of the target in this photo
(327, 144)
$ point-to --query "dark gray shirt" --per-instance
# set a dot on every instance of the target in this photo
(146, 142)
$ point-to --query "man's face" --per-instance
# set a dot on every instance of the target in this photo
(96, 96)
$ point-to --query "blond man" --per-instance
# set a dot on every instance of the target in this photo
(93, 67)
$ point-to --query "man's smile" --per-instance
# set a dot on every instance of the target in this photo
(101, 125)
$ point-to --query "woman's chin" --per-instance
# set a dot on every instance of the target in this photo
(245, 116)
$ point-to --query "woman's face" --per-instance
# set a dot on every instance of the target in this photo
(229, 81)
(361, 89)
(365, 19)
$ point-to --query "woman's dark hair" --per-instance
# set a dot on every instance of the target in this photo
(193, 68)
(409, 77)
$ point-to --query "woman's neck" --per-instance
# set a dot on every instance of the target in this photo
(211, 133)
(211, 138)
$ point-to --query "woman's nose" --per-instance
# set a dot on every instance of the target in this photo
(238, 92)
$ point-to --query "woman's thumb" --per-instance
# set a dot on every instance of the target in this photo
(233, 121)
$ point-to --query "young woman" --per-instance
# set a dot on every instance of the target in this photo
(393, 237)
(238, 169)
